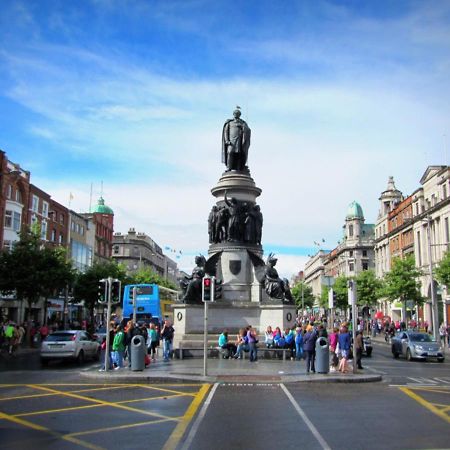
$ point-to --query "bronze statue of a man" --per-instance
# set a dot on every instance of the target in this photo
(235, 142)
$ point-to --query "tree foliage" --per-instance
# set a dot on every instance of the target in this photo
(33, 271)
(402, 282)
(442, 271)
(86, 283)
(308, 297)
(369, 288)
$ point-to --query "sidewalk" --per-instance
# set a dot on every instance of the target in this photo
(225, 370)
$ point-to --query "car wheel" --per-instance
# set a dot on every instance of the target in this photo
(441, 360)
(80, 357)
(44, 362)
(395, 355)
(408, 355)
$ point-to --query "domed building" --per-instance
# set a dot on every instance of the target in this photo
(102, 217)
(355, 252)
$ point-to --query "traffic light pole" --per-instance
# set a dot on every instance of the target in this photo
(134, 304)
(205, 341)
(108, 291)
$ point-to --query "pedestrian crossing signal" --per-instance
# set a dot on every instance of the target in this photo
(207, 289)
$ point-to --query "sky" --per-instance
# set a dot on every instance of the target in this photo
(130, 97)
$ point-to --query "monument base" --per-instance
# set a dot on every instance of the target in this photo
(189, 319)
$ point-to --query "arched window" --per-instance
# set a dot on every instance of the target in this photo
(350, 230)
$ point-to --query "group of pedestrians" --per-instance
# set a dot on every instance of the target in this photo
(11, 336)
(121, 338)
(246, 341)
(300, 341)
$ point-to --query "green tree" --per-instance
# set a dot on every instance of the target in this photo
(86, 283)
(402, 283)
(33, 271)
(442, 271)
(368, 288)
(341, 290)
(308, 297)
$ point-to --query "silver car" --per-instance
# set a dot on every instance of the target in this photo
(69, 344)
(415, 345)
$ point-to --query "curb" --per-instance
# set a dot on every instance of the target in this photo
(183, 378)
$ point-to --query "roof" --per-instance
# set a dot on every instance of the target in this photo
(101, 208)
(355, 211)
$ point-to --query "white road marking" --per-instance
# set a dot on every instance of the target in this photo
(379, 372)
(442, 381)
(199, 419)
(426, 381)
(305, 418)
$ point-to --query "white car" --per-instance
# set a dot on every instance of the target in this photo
(70, 344)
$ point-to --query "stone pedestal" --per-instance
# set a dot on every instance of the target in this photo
(188, 319)
(235, 267)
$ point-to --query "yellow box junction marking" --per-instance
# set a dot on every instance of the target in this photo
(180, 429)
(433, 407)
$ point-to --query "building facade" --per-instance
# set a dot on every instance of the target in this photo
(137, 251)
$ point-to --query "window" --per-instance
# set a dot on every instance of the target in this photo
(53, 236)
(77, 228)
(9, 191)
(45, 209)
(350, 230)
(16, 221)
(447, 234)
(61, 219)
(419, 250)
(35, 203)
(81, 230)
(33, 219)
(44, 230)
(116, 249)
(351, 266)
(72, 226)
(365, 253)
(444, 191)
(8, 219)
(18, 196)
(61, 238)
(365, 266)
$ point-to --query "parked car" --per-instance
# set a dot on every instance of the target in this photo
(70, 344)
(100, 334)
(415, 345)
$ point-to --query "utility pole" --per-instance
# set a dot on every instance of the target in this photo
(134, 304)
(434, 303)
(352, 302)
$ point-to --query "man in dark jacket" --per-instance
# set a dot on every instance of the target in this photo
(359, 345)
(309, 348)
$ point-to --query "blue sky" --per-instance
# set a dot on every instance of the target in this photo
(339, 96)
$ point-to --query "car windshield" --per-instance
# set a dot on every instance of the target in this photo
(420, 337)
(58, 337)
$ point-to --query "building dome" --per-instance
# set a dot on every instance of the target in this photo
(101, 208)
(355, 211)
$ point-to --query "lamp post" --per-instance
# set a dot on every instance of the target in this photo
(434, 304)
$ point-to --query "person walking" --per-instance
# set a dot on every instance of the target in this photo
(298, 343)
(309, 347)
(359, 346)
(119, 347)
(252, 341)
(344, 348)
(154, 341)
(167, 336)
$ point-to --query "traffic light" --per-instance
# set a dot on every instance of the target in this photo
(115, 291)
(207, 289)
(102, 293)
(217, 289)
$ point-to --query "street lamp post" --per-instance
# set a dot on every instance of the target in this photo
(434, 304)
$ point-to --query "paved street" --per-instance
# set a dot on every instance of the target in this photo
(55, 408)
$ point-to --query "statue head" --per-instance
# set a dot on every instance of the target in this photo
(271, 260)
(237, 113)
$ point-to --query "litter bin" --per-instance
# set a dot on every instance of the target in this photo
(322, 356)
(138, 353)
